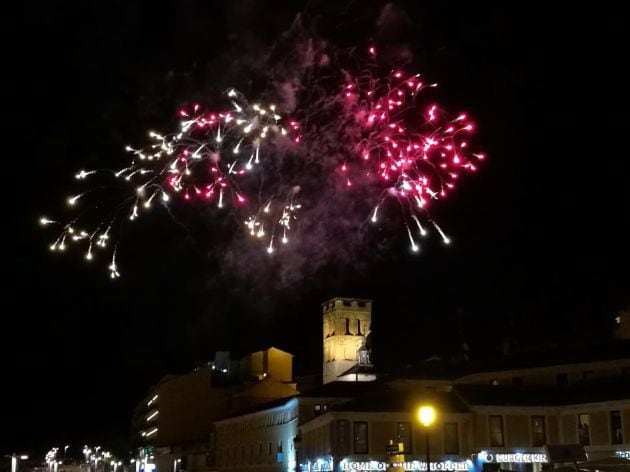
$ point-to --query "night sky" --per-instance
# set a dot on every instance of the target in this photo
(540, 251)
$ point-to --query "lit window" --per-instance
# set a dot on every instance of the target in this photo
(539, 434)
(616, 429)
(280, 456)
(403, 436)
(584, 429)
(496, 430)
(360, 437)
(451, 438)
(318, 409)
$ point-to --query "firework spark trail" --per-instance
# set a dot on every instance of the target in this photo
(209, 159)
(370, 137)
(414, 154)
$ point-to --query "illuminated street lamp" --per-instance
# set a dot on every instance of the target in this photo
(426, 416)
(14, 460)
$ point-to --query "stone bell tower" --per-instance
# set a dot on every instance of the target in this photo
(347, 322)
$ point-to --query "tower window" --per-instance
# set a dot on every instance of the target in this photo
(359, 327)
(348, 326)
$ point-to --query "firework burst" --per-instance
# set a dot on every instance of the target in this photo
(213, 157)
(405, 149)
(375, 135)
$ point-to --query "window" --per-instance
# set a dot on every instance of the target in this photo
(280, 456)
(616, 429)
(318, 409)
(494, 382)
(348, 326)
(343, 435)
(364, 356)
(539, 433)
(584, 430)
(325, 408)
(562, 379)
(359, 327)
(360, 437)
(403, 436)
(518, 381)
(496, 430)
(588, 374)
(451, 438)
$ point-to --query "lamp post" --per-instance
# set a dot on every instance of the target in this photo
(14, 460)
(426, 415)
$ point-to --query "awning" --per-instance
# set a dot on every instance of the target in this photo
(608, 464)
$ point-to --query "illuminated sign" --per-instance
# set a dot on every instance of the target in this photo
(407, 466)
(515, 458)
(623, 454)
(320, 465)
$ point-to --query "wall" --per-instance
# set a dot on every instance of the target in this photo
(243, 443)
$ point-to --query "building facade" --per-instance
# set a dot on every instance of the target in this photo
(172, 426)
(496, 416)
(260, 439)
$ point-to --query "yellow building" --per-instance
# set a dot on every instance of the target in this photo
(346, 326)
(487, 420)
(172, 426)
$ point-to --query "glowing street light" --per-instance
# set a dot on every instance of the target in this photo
(426, 416)
(14, 460)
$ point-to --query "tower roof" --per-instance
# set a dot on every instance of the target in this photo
(347, 299)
